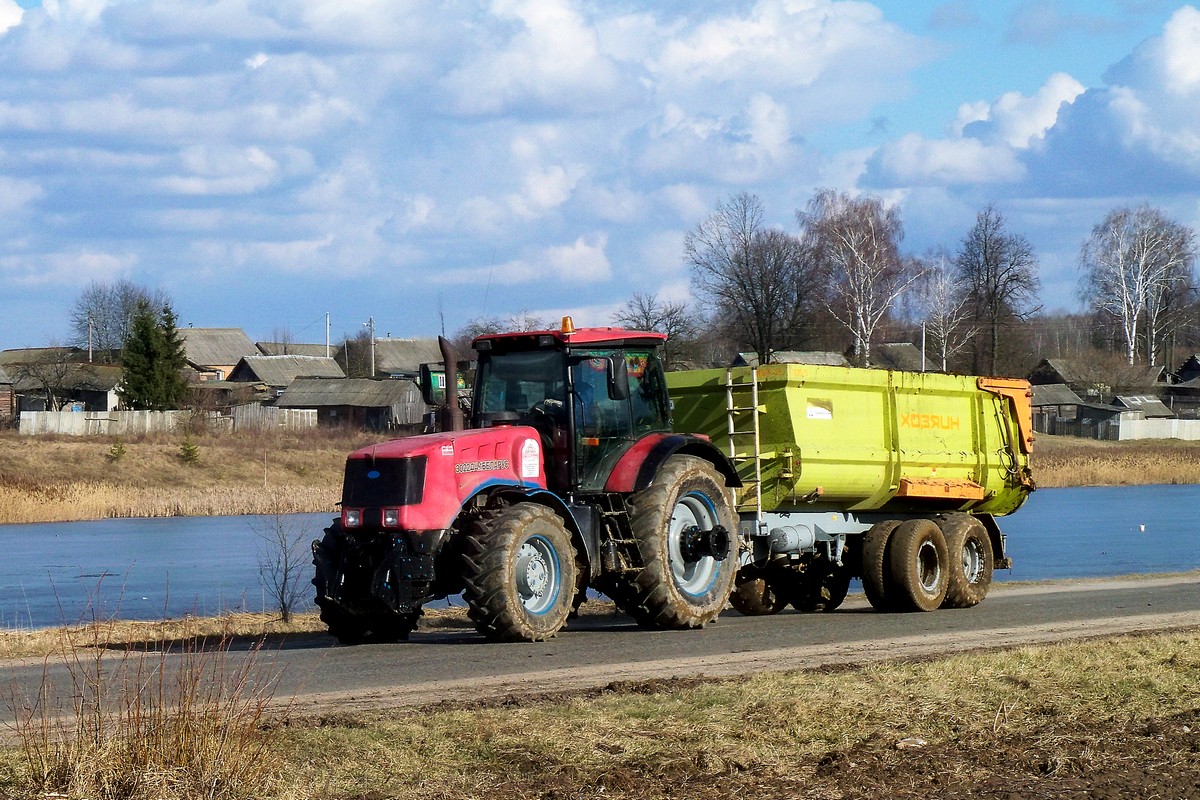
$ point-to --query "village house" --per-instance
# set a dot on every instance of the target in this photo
(373, 404)
(213, 352)
(275, 373)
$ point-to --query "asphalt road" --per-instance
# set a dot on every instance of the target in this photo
(455, 664)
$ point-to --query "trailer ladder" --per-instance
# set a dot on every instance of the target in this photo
(735, 413)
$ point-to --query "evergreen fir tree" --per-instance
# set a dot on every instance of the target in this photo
(153, 361)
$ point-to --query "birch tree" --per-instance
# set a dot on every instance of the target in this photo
(755, 278)
(855, 241)
(999, 269)
(1137, 269)
(944, 305)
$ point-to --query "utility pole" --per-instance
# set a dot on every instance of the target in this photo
(327, 355)
(370, 323)
(91, 325)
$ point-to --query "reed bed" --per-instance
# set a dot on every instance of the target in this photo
(1061, 461)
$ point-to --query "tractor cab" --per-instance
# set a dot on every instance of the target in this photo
(590, 393)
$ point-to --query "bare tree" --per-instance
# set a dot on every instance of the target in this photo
(1000, 271)
(944, 306)
(519, 322)
(283, 562)
(644, 312)
(856, 243)
(102, 316)
(1137, 267)
(756, 279)
(55, 373)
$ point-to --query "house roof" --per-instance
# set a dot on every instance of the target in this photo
(1055, 394)
(357, 392)
(814, 358)
(1148, 404)
(216, 347)
(1083, 372)
(279, 371)
(293, 349)
(900, 355)
(4, 377)
(87, 377)
(33, 355)
(405, 356)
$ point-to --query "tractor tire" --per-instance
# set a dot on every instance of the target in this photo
(822, 586)
(520, 573)
(755, 593)
(688, 565)
(350, 628)
(971, 560)
(876, 577)
(919, 564)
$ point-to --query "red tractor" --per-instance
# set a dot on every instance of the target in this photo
(569, 477)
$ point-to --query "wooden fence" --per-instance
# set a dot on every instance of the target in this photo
(251, 417)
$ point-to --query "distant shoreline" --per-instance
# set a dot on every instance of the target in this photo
(62, 479)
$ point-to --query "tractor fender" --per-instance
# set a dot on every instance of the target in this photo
(637, 467)
(582, 536)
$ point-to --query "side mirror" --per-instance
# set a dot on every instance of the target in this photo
(618, 378)
(433, 384)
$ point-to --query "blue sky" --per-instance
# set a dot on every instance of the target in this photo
(268, 162)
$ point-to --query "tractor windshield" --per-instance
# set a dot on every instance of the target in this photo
(607, 421)
(516, 382)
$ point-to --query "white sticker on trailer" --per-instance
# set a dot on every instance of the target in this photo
(531, 459)
(820, 409)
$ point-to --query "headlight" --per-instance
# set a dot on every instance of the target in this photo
(351, 518)
(391, 518)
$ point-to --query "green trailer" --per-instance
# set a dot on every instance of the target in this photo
(894, 477)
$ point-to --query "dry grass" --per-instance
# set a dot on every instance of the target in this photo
(678, 738)
(48, 479)
(183, 722)
(691, 738)
(1067, 461)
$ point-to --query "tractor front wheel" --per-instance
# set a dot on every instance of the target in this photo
(520, 573)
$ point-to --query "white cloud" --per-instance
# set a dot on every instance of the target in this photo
(15, 196)
(550, 60)
(10, 15)
(582, 261)
(916, 161)
(73, 269)
(1016, 120)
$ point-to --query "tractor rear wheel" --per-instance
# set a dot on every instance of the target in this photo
(686, 532)
(520, 573)
(971, 560)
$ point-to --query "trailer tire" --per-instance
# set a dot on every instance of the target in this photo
(520, 573)
(685, 531)
(971, 560)
(919, 565)
(876, 577)
(821, 587)
(756, 593)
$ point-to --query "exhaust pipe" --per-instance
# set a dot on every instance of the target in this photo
(453, 418)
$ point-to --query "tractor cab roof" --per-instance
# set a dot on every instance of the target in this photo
(567, 336)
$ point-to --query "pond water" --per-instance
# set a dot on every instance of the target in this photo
(150, 568)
